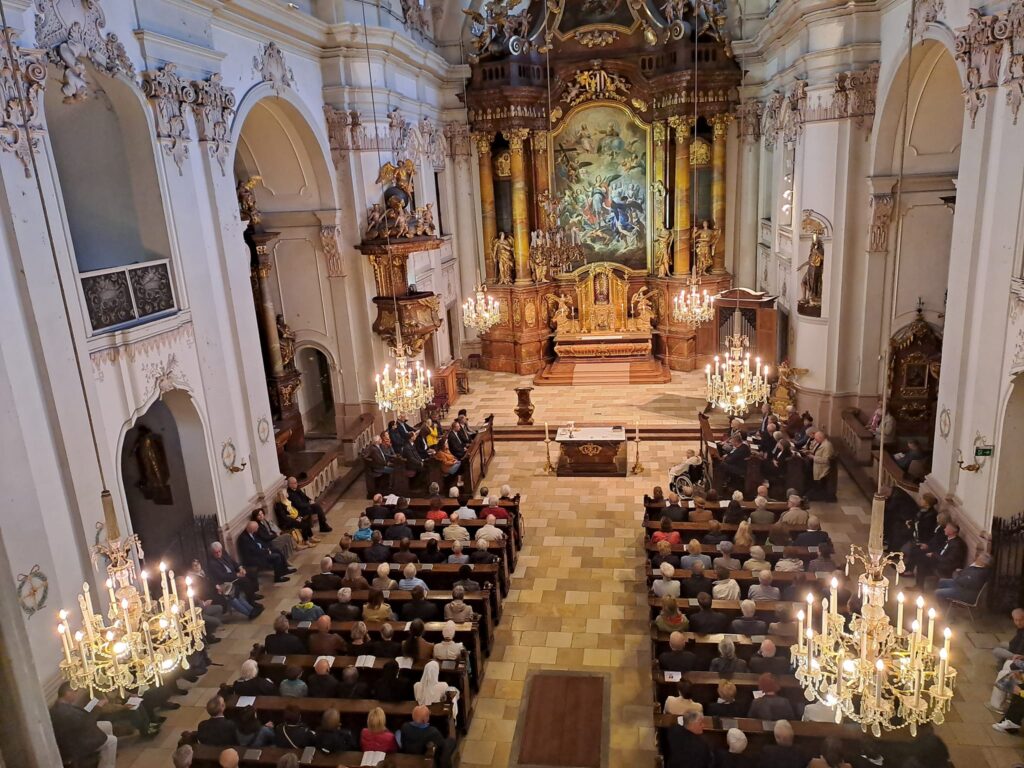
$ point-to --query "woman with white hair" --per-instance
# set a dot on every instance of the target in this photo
(734, 755)
(448, 649)
(666, 585)
(757, 560)
(248, 682)
(363, 531)
(727, 663)
(410, 580)
(429, 532)
(506, 492)
(726, 560)
(430, 690)
(383, 578)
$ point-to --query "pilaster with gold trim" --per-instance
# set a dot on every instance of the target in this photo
(541, 170)
(660, 132)
(720, 127)
(488, 218)
(262, 264)
(516, 138)
(681, 218)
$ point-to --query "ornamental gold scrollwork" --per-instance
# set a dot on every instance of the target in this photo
(589, 449)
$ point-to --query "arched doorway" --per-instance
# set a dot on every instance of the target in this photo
(167, 481)
(1008, 500)
(316, 396)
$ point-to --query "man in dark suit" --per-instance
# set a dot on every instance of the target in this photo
(747, 624)
(946, 559)
(222, 569)
(378, 510)
(674, 511)
(765, 660)
(351, 687)
(735, 462)
(326, 580)
(687, 747)
(256, 554)
(697, 582)
(782, 754)
(416, 735)
(419, 607)
(78, 734)
(813, 536)
(306, 506)
(322, 684)
(343, 609)
(282, 642)
(386, 647)
(457, 441)
(677, 658)
(399, 530)
(217, 730)
(706, 621)
(377, 552)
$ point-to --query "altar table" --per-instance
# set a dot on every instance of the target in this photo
(591, 451)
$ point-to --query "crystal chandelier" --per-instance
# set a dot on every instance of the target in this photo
(139, 640)
(694, 307)
(735, 386)
(874, 673)
(405, 389)
(480, 312)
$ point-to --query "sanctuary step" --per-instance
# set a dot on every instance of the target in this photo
(570, 372)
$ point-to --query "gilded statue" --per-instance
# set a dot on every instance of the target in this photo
(642, 309)
(398, 218)
(501, 252)
(154, 474)
(425, 221)
(561, 314)
(376, 223)
(663, 251)
(400, 175)
(286, 341)
(810, 285)
(704, 241)
(783, 393)
(247, 201)
(539, 266)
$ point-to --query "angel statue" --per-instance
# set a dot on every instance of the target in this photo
(376, 223)
(782, 396)
(642, 309)
(539, 266)
(501, 252)
(704, 242)
(562, 310)
(663, 251)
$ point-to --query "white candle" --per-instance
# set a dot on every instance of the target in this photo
(80, 639)
(810, 610)
(800, 630)
(174, 585)
(824, 616)
(920, 610)
(839, 671)
(191, 602)
(110, 592)
(545, 430)
(64, 642)
(127, 621)
(942, 671)
(145, 589)
(832, 596)
(163, 578)
(88, 600)
(899, 614)
(810, 649)
(915, 629)
(879, 669)
(946, 635)
(931, 629)
(918, 676)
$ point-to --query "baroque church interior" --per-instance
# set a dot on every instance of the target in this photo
(527, 383)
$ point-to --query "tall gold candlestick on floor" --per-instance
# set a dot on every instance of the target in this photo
(638, 468)
(548, 468)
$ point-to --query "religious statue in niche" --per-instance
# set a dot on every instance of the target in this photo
(663, 251)
(501, 252)
(642, 309)
(811, 283)
(704, 241)
(286, 341)
(154, 474)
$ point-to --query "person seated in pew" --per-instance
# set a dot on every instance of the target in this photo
(715, 535)
(363, 530)
(757, 561)
(377, 510)
(795, 514)
(325, 581)
(343, 609)
(411, 581)
(727, 663)
(725, 559)
(345, 555)
(376, 610)
(415, 646)
(305, 609)
(354, 579)
(392, 685)
(734, 755)
(823, 562)
(448, 649)
(289, 519)
(761, 514)
(494, 509)
(378, 551)
(747, 624)
(419, 607)
(331, 737)
(454, 531)
(831, 755)
(769, 705)
(966, 582)
(489, 531)
(766, 660)
(293, 686)
(386, 647)
(664, 555)
(433, 553)
(763, 590)
(376, 737)
(458, 610)
(743, 537)
(351, 686)
(703, 510)
(785, 624)
(249, 683)
(665, 584)
(687, 747)
(323, 642)
(782, 754)
(670, 618)
(216, 730)
(674, 511)
(775, 464)
(683, 701)
(726, 704)
(416, 735)
(734, 463)
(734, 513)
(657, 497)
(813, 536)
(697, 582)
(676, 658)
(464, 511)
(436, 513)
(321, 684)
(228, 759)
(458, 556)
(804, 432)
(399, 529)
(432, 690)
(707, 621)
(725, 586)
(358, 640)
(383, 580)
(404, 555)
(282, 642)
(466, 580)
(693, 555)
(429, 532)
(481, 554)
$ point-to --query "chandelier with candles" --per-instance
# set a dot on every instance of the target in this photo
(405, 388)
(875, 673)
(735, 386)
(139, 640)
(693, 306)
(480, 312)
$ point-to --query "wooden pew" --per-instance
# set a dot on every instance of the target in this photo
(742, 553)
(440, 576)
(765, 610)
(654, 511)
(495, 548)
(479, 601)
(419, 525)
(705, 688)
(698, 530)
(468, 634)
(209, 757)
(453, 673)
(706, 646)
(353, 711)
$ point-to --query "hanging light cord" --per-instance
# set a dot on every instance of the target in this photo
(19, 85)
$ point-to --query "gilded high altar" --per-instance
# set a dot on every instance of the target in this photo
(602, 160)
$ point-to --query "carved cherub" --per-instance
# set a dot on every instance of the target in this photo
(376, 223)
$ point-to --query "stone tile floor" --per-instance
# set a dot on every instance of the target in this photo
(578, 597)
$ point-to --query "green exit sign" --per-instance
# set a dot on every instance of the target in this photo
(983, 450)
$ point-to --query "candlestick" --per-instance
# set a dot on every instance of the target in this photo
(127, 620)
(915, 637)
(832, 596)
(810, 649)
(810, 610)
(174, 585)
(931, 629)
(899, 614)
(145, 589)
(918, 678)
(163, 580)
(80, 639)
(545, 430)
(191, 602)
(88, 599)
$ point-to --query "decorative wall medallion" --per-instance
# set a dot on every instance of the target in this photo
(228, 454)
(33, 589)
(263, 429)
(945, 422)
(270, 65)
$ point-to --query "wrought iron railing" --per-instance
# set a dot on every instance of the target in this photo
(1007, 563)
(122, 296)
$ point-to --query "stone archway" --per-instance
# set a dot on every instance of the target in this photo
(1008, 499)
(316, 396)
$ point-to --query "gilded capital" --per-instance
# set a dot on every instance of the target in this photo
(539, 141)
(660, 133)
(483, 142)
(681, 124)
(720, 124)
(515, 138)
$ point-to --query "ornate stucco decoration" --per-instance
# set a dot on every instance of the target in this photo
(979, 49)
(597, 38)
(183, 333)
(595, 83)
(72, 32)
(459, 140)
(492, 114)
(771, 117)
(794, 113)
(926, 12)
(750, 113)
(881, 217)
(170, 95)
(213, 107)
(421, 141)
(163, 376)
(855, 95)
(20, 133)
(414, 18)
(270, 65)
(1013, 29)
(330, 241)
